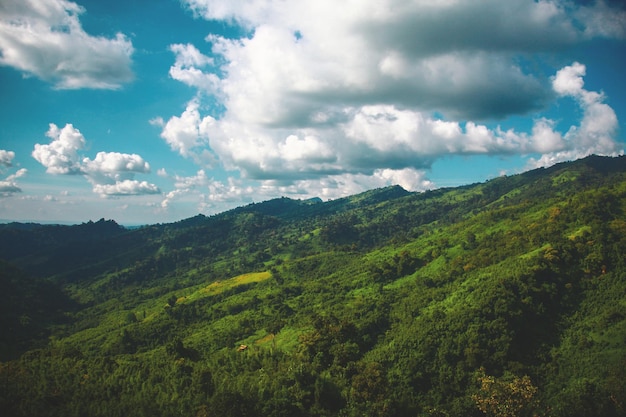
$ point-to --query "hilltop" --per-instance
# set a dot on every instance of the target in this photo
(507, 293)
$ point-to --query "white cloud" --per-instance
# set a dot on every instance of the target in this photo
(125, 187)
(308, 148)
(200, 179)
(341, 185)
(544, 138)
(369, 139)
(46, 39)
(569, 80)
(115, 163)
(188, 55)
(330, 97)
(217, 196)
(61, 155)
(185, 185)
(6, 158)
(460, 57)
(598, 127)
(187, 134)
(407, 178)
(233, 191)
(188, 68)
(212, 195)
(9, 186)
(110, 173)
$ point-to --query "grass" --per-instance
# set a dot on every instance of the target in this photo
(218, 287)
(565, 177)
(580, 232)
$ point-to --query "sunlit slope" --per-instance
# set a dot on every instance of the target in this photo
(385, 303)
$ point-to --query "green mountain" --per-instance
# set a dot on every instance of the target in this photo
(504, 298)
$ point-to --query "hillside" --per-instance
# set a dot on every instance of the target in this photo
(504, 298)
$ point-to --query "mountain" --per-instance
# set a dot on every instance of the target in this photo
(503, 298)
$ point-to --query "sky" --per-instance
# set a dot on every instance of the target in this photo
(147, 112)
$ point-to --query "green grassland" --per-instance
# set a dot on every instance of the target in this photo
(505, 298)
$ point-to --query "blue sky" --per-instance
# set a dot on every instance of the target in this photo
(153, 111)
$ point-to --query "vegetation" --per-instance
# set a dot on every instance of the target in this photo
(505, 298)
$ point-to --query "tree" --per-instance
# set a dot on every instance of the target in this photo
(172, 300)
(369, 391)
(508, 396)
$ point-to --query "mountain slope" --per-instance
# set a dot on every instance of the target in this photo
(384, 303)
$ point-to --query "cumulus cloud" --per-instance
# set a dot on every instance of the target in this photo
(125, 187)
(60, 156)
(598, 127)
(114, 165)
(345, 184)
(6, 158)
(233, 190)
(306, 57)
(9, 186)
(384, 137)
(46, 40)
(320, 97)
(214, 195)
(328, 187)
(188, 68)
(217, 195)
(187, 134)
(110, 173)
(569, 80)
(185, 185)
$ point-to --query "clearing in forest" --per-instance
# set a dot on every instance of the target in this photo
(218, 287)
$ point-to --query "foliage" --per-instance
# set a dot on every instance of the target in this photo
(505, 397)
(387, 303)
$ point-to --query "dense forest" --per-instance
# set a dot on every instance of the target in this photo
(504, 298)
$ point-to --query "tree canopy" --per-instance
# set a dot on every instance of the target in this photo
(504, 298)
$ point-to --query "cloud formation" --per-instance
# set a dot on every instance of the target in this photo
(188, 68)
(326, 98)
(45, 39)
(188, 134)
(9, 186)
(6, 158)
(60, 156)
(185, 185)
(125, 187)
(110, 173)
(306, 58)
(368, 139)
(597, 129)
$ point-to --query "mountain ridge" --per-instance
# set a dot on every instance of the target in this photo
(383, 303)
(596, 162)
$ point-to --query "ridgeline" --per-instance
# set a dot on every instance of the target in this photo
(503, 298)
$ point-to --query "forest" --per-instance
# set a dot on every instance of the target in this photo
(505, 298)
